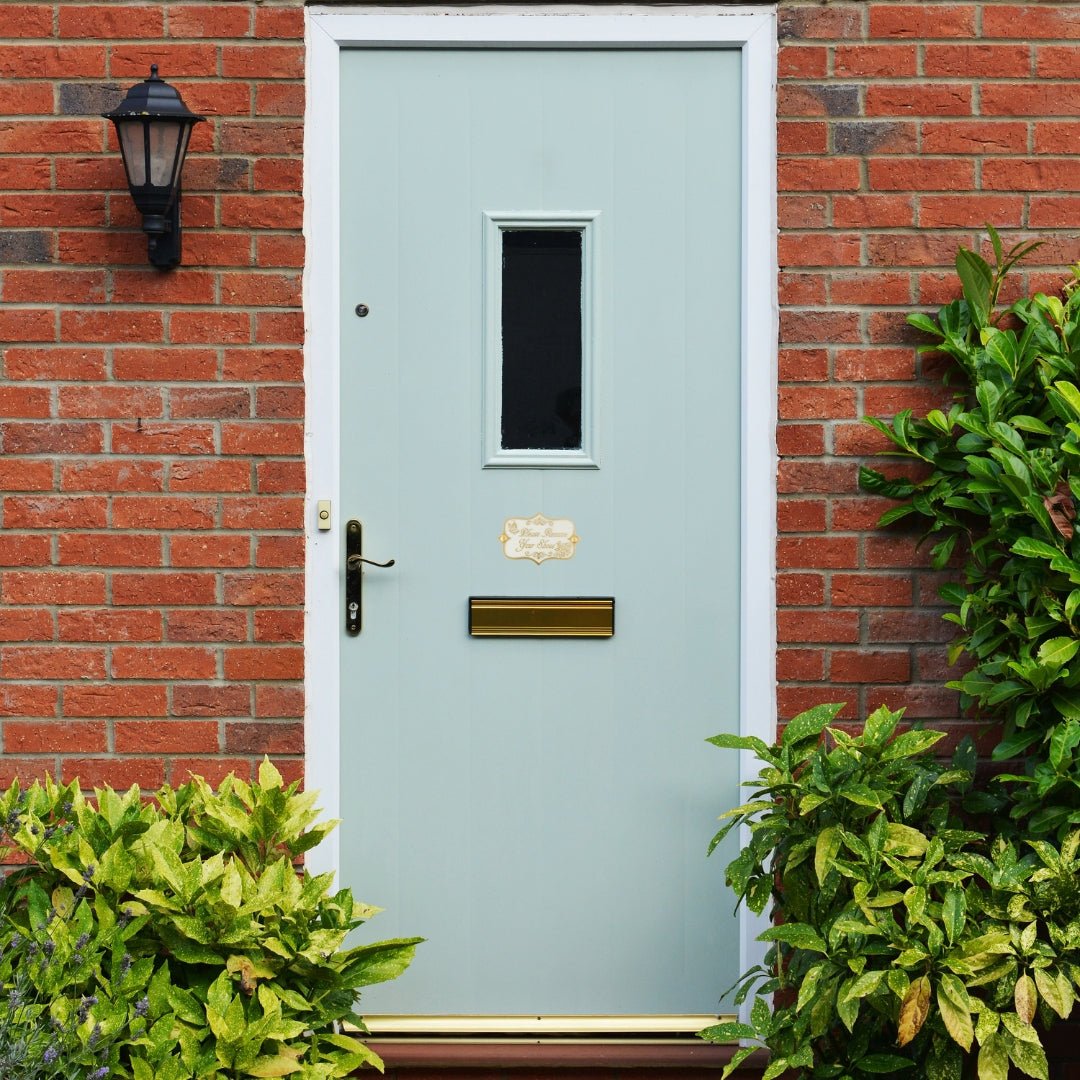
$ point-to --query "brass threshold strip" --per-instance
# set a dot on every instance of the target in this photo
(593, 1028)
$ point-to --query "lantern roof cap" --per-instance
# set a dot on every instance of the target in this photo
(153, 99)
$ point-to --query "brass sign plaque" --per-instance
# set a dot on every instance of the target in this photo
(539, 538)
(542, 616)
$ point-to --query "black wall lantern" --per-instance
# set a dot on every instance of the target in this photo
(153, 125)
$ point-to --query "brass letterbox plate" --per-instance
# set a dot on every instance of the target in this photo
(541, 616)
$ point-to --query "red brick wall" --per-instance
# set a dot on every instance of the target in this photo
(903, 128)
(151, 423)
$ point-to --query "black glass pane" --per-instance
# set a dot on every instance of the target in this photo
(541, 339)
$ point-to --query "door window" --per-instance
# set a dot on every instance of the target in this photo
(539, 380)
(541, 339)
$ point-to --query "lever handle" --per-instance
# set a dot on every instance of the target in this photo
(354, 574)
(353, 561)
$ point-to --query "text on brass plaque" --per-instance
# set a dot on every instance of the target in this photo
(541, 616)
(538, 538)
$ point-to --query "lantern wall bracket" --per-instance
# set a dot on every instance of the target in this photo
(164, 248)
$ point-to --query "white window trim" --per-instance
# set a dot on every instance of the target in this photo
(331, 29)
(494, 456)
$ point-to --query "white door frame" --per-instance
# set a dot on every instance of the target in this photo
(331, 29)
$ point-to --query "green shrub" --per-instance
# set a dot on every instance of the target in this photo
(201, 951)
(1000, 473)
(908, 943)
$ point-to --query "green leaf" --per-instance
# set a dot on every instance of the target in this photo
(1063, 741)
(810, 724)
(895, 514)
(231, 888)
(994, 1059)
(911, 744)
(798, 935)
(1014, 745)
(1008, 437)
(898, 982)
(761, 1017)
(727, 1032)
(1058, 650)
(1030, 423)
(185, 1005)
(1071, 396)
(884, 1063)
(905, 841)
(889, 898)
(923, 322)
(737, 1058)
(1051, 993)
(860, 794)
(828, 844)
(945, 1062)
(158, 992)
(915, 900)
(878, 484)
(269, 777)
(1030, 1058)
(915, 797)
(1005, 691)
(276, 1065)
(811, 802)
(1001, 349)
(808, 989)
(141, 1069)
(742, 742)
(737, 873)
(986, 1024)
(955, 1008)
(865, 984)
(777, 1067)
(954, 912)
(880, 725)
(168, 866)
(1019, 1029)
(366, 965)
(1072, 602)
(976, 278)
(995, 243)
(942, 552)
(847, 1006)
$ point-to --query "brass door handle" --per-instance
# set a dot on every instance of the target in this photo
(353, 561)
(354, 575)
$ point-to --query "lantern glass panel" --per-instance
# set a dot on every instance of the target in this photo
(131, 143)
(185, 136)
(165, 137)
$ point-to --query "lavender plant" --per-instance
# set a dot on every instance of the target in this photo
(72, 994)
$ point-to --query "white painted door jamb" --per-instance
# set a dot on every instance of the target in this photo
(330, 29)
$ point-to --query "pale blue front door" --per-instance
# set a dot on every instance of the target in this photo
(539, 808)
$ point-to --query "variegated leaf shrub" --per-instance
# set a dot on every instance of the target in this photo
(175, 939)
(910, 944)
